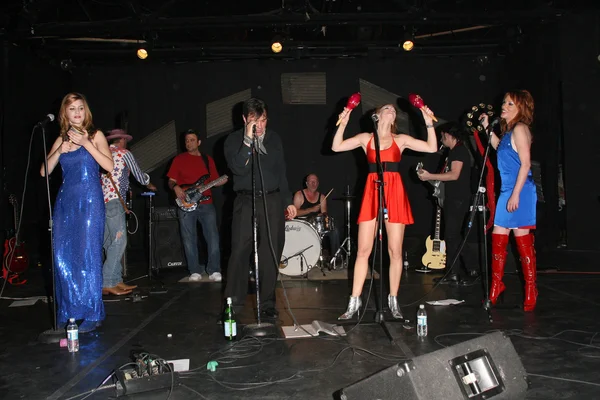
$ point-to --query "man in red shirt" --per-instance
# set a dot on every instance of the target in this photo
(186, 169)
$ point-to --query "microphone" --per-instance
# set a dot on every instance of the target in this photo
(492, 124)
(254, 129)
(49, 118)
(375, 117)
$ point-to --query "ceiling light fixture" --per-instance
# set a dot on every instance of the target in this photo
(277, 44)
(409, 38)
(142, 53)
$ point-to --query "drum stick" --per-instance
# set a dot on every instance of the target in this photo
(329, 193)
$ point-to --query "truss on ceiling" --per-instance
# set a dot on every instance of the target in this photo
(194, 30)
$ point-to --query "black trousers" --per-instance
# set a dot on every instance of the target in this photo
(242, 247)
(454, 213)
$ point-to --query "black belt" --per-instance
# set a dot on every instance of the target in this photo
(387, 167)
(259, 193)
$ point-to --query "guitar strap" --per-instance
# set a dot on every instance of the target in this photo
(444, 168)
(205, 158)
(109, 176)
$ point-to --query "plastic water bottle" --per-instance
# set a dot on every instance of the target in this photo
(229, 321)
(72, 336)
(422, 321)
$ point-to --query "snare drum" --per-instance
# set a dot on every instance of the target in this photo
(301, 250)
(329, 223)
(318, 222)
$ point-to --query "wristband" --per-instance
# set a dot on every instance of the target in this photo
(429, 125)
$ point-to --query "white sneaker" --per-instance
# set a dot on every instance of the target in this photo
(195, 277)
(215, 276)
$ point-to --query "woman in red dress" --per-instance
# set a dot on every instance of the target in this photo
(399, 213)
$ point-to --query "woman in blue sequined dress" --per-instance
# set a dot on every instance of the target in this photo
(78, 220)
(516, 205)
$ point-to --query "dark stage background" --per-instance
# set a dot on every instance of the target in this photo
(558, 63)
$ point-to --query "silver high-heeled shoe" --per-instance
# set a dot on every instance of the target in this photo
(394, 307)
(354, 306)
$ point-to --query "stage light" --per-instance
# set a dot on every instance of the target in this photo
(66, 64)
(277, 44)
(276, 47)
(142, 53)
(408, 45)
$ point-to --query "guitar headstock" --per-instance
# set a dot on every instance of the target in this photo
(419, 167)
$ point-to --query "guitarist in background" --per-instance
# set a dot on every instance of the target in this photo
(457, 182)
(115, 186)
(187, 168)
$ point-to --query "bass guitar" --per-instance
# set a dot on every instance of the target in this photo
(438, 186)
(194, 194)
(15, 258)
(435, 256)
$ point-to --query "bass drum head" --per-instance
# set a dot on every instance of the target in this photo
(301, 250)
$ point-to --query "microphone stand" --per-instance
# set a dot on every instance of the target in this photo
(260, 328)
(55, 334)
(479, 203)
(382, 214)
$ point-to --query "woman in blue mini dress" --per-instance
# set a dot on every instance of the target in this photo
(516, 205)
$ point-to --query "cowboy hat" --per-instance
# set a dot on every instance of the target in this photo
(118, 133)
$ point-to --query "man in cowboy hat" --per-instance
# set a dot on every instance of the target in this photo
(115, 186)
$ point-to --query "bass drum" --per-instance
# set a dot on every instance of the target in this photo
(301, 250)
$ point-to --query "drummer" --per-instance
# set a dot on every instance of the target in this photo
(312, 206)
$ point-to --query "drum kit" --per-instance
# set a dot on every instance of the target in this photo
(303, 248)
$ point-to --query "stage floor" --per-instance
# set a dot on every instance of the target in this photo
(557, 343)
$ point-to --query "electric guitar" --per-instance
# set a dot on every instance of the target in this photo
(435, 257)
(438, 186)
(194, 193)
(15, 258)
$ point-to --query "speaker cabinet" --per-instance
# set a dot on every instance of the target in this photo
(168, 249)
(484, 368)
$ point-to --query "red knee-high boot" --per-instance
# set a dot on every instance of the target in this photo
(528, 263)
(499, 243)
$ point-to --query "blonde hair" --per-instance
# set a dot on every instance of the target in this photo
(87, 124)
(393, 128)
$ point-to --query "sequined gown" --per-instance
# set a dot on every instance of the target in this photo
(78, 235)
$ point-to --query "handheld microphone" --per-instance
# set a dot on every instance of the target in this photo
(492, 124)
(375, 117)
(49, 118)
(254, 129)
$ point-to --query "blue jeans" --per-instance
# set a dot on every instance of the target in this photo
(115, 242)
(207, 216)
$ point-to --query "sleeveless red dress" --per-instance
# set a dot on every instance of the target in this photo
(395, 196)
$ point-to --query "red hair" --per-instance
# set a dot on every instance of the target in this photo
(524, 102)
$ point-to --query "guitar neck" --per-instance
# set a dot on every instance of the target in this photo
(211, 184)
(15, 204)
(438, 222)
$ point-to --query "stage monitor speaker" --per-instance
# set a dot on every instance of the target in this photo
(168, 249)
(484, 368)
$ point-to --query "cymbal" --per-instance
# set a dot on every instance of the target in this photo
(344, 197)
